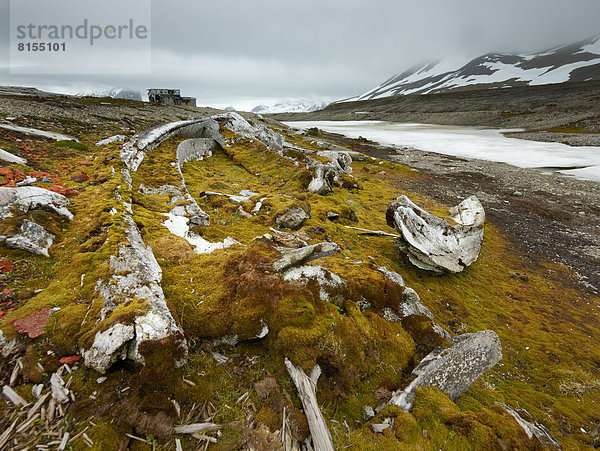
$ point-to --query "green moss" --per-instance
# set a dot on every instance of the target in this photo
(71, 145)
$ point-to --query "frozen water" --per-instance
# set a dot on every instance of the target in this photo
(471, 142)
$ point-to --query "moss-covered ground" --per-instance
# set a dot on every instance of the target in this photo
(547, 326)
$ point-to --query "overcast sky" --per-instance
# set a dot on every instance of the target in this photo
(247, 52)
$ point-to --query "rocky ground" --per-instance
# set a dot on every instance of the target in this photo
(222, 282)
(550, 216)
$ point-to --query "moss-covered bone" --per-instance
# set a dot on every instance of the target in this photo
(453, 370)
(293, 257)
(31, 238)
(136, 276)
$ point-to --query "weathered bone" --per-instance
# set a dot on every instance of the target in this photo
(307, 386)
(430, 242)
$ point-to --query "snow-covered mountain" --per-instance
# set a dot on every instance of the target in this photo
(291, 106)
(574, 62)
(116, 93)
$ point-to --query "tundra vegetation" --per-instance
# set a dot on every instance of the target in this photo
(220, 379)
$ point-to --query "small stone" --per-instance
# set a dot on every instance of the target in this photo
(27, 181)
(368, 412)
(332, 216)
(101, 379)
(294, 217)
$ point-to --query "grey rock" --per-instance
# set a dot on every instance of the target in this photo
(341, 161)
(294, 217)
(453, 370)
(191, 209)
(23, 199)
(32, 238)
(244, 195)
(332, 216)
(294, 257)
(391, 275)
(411, 304)
(432, 244)
(532, 428)
(329, 283)
(368, 412)
(323, 179)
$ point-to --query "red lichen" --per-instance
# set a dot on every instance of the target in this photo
(33, 325)
(70, 360)
(6, 266)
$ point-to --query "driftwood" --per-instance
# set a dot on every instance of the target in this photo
(373, 232)
(306, 386)
(197, 427)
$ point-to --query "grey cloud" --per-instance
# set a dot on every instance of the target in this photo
(239, 49)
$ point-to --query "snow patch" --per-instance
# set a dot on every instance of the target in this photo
(178, 225)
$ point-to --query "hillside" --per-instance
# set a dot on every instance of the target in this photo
(171, 275)
(569, 63)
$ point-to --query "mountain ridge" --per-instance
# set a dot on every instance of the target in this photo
(291, 106)
(568, 63)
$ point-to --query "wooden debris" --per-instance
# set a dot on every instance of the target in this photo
(87, 440)
(64, 441)
(25, 424)
(307, 386)
(373, 232)
(177, 408)
(37, 405)
(208, 438)
(15, 372)
(7, 433)
(138, 439)
(59, 392)
(197, 427)
(190, 383)
(178, 446)
(13, 396)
